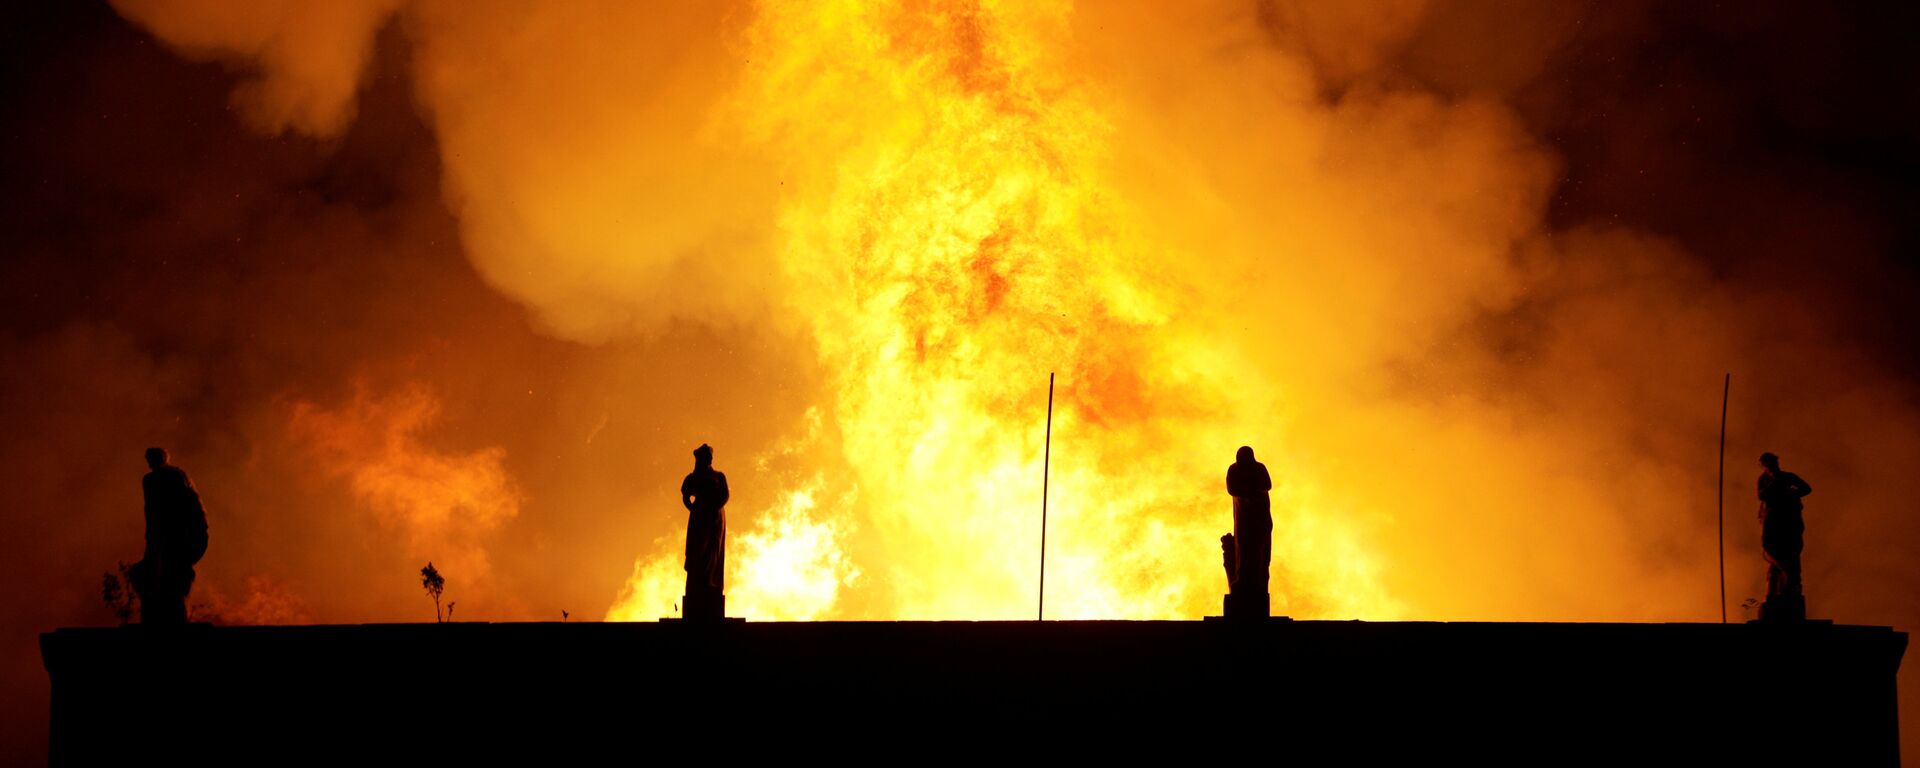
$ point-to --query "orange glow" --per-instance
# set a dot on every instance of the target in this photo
(846, 243)
(464, 281)
(441, 505)
(952, 233)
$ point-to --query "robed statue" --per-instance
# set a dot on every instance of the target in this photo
(1248, 550)
(176, 540)
(704, 494)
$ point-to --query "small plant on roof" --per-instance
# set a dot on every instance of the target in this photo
(430, 579)
(116, 590)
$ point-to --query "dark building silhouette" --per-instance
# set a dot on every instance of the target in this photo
(1783, 530)
(1248, 553)
(1302, 692)
(176, 540)
(704, 494)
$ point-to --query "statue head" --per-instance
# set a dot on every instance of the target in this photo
(1770, 461)
(703, 456)
(1245, 454)
(156, 457)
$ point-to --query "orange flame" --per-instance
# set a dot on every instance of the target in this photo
(953, 237)
(267, 601)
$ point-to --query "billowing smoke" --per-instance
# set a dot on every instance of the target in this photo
(465, 282)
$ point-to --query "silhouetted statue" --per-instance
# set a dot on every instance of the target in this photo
(1248, 552)
(704, 494)
(176, 540)
(1782, 536)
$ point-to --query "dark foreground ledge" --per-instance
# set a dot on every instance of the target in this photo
(1354, 692)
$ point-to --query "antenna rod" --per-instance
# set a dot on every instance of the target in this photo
(1726, 388)
(1046, 463)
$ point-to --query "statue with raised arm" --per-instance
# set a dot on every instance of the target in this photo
(1248, 550)
(704, 494)
(1782, 537)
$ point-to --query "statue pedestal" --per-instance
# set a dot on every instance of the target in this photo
(1784, 608)
(704, 607)
(1248, 610)
(1247, 606)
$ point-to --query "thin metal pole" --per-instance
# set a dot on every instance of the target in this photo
(1726, 388)
(1046, 470)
